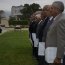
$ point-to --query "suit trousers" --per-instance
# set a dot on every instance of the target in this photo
(35, 45)
(64, 60)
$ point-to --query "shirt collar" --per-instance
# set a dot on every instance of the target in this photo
(51, 18)
(57, 16)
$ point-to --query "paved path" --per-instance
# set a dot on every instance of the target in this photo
(5, 30)
(10, 29)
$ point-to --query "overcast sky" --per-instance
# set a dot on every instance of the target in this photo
(7, 4)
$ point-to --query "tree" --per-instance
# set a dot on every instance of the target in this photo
(28, 10)
(34, 7)
(11, 19)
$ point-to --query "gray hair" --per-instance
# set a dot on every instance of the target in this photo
(59, 5)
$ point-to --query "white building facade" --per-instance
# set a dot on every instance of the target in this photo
(15, 10)
(4, 21)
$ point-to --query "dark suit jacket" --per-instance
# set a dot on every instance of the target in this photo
(32, 28)
(40, 29)
(46, 28)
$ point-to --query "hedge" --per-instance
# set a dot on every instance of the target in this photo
(21, 22)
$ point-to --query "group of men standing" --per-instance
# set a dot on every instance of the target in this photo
(47, 33)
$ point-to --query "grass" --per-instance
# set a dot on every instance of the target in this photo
(15, 49)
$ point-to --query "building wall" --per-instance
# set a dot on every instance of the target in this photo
(4, 21)
(15, 10)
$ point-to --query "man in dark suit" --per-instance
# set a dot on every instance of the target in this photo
(32, 29)
(55, 40)
(41, 25)
(32, 21)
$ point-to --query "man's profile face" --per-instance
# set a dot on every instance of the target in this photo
(47, 11)
(54, 11)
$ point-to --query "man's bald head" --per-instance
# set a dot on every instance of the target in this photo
(46, 11)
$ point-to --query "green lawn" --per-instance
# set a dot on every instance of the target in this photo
(15, 49)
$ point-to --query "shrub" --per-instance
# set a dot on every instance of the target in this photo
(19, 22)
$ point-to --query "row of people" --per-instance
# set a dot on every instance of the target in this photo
(47, 32)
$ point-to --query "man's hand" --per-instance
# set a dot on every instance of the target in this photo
(57, 61)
